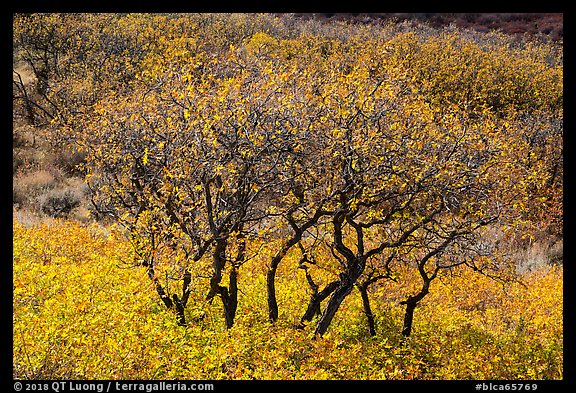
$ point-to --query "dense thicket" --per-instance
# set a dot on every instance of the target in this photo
(366, 149)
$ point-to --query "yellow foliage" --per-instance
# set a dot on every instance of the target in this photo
(80, 311)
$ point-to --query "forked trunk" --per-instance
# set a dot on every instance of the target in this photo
(316, 300)
(333, 305)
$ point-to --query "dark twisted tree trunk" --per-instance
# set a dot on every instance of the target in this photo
(271, 277)
(316, 300)
(271, 273)
(408, 318)
(271, 293)
(344, 288)
(355, 264)
(363, 288)
(411, 304)
(180, 303)
(228, 295)
(230, 298)
(176, 303)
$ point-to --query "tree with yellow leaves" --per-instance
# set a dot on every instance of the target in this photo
(366, 149)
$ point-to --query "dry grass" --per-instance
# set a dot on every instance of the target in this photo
(539, 254)
(24, 72)
(49, 192)
(30, 184)
(45, 179)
